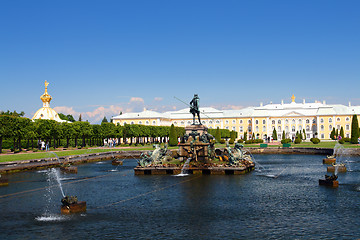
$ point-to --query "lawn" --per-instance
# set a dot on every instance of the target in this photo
(61, 153)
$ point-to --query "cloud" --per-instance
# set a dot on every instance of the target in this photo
(66, 110)
(136, 99)
(228, 107)
(158, 99)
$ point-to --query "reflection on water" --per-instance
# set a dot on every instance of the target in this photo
(282, 201)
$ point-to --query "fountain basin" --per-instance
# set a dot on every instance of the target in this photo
(117, 162)
(194, 170)
(74, 208)
(330, 183)
(329, 160)
(341, 168)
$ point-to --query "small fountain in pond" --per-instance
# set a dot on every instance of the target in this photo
(70, 205)
(330, 181)
(184, 170)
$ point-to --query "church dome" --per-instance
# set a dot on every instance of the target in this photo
(46, 112)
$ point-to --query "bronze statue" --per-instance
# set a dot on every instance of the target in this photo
(194, 108)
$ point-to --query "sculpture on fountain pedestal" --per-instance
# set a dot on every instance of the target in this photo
(194, 108)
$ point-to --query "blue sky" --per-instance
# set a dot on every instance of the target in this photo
(103, 57)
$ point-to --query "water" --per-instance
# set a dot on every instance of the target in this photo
(124, 206)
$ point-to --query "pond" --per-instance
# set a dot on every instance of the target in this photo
(280, 200)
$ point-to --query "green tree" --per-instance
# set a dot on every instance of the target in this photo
(63, 117)
(80, 119)
(283, 135)
(332, 134)
(71, 118)
(218, 135)
(104, 120)
(342, 132)
(6, 127)
(337, 133)
(274, 134)
(245, 136)
(68, 131)
(173, 139)
(304, 134)
(354, 130)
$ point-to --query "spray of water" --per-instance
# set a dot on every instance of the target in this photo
(54, 174)
(184, 169)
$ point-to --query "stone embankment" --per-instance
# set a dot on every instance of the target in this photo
(25, 165)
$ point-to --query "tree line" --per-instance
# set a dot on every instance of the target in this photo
(25, 133)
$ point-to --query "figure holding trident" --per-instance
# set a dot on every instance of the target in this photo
(194, 108)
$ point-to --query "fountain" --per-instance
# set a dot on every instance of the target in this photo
(196, 154)
(329, 181)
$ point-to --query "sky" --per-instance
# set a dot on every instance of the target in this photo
(105, 57)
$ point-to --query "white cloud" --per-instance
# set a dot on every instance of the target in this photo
(158, 99)
(136, 99)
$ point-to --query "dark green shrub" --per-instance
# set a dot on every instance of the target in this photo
(258, 141)
(347, 139)
(286, 140)
(231, 141)
(315, 140)
(341, 141)
(240, 141)
(222, 141)
(249, 141)
(297, 140)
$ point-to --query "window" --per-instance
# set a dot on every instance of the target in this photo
(300, 121)
(210, 122)
(227, 122)
(175, 123)
(182, 122)
(293, 128)
(330, 120)
(233, 128)
(203, 122)
(307, 128)
(256, 129)
(286, 129)
(132, 123)
(347, 119)
(264, 121)
(264, 129)
(338, 127)
(241, 129)
(322, 136)
(240, 121)
(347, 127)
(314, 120)
(140, 122)
(249, 128)
(286, 121)
(147, 122)
(307, 121)
(249, 121)
(293, 121)
(330, 127)
(233, 121)
(226, 127)
(217, 121)
(279, 129)
(273, 122)
(338, 119)
(154, 122)
(307, 135)
(321, 120)
(300, 128)
(322, 127)
(279, 121)
(347, 135)
(256, 121)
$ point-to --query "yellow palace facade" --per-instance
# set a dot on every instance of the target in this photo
(317, 119)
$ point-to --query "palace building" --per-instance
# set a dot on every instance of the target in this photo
(46, 112)
(317, 119)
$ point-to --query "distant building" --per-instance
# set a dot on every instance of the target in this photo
(46, 112)
(317, 119)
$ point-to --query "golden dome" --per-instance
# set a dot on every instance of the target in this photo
(46, 98)
(46, 112)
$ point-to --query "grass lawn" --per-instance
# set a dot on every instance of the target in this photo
(61, 153)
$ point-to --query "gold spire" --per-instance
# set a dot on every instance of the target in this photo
(293, 98)
(46, 98)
